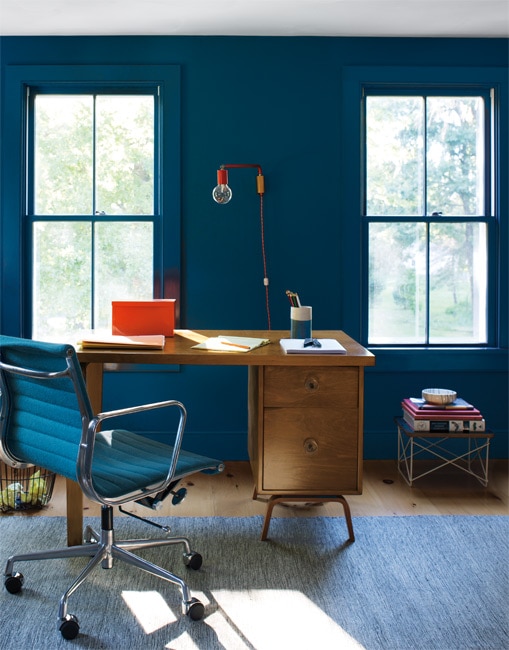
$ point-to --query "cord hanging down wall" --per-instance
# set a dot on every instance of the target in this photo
(222, 194)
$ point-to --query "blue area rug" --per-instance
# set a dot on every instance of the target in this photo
(409, 583)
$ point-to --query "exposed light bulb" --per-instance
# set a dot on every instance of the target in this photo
(222, 192)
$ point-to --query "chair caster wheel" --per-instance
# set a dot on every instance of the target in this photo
(14, 583)
(194, 609)
(69, 627)
(193, 560)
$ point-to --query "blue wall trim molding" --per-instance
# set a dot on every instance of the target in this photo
(287, 105)
(16, 79)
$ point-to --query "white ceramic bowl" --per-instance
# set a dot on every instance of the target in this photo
(439, 395)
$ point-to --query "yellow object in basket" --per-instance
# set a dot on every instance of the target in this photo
(36, 488)
(10, 493)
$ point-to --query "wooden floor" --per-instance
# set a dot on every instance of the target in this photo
(385, 493)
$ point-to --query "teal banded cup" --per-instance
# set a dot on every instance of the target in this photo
(300, 322)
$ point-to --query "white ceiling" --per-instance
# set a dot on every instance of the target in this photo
(418, 18)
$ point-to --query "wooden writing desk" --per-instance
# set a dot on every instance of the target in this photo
(305, 413)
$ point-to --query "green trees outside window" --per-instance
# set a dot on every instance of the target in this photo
(426, 213)
(92, 203)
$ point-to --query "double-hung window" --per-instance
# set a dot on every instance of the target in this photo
(92, 205)
(97, 197)
(428, 213)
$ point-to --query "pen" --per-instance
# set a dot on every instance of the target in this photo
(235, 345)
(294, 298)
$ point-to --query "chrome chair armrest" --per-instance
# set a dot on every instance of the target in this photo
(138, 409)
(86, 452)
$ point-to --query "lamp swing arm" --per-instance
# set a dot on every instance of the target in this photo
(260, 180)
(222, 181)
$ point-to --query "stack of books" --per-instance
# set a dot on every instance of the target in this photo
(456, 417)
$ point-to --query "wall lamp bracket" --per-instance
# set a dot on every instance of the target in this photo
(222, 193)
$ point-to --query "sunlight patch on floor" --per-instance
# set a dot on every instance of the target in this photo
(182, 642)
(264, 619)
(268, 619)
(150, 609)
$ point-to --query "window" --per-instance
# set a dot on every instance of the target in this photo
(427, 214)
(91, 206)
(92, 193)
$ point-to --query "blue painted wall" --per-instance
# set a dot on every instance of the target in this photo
(278, 102)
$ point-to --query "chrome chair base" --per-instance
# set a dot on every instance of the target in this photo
(102, 549)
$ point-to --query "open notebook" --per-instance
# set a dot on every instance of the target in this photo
(231, 344)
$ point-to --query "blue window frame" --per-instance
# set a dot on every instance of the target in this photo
(491, 86)
(427, 215)
(159, 219)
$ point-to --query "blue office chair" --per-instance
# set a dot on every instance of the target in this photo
(46, 420)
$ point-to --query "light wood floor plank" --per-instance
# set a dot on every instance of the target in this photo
(385, 493)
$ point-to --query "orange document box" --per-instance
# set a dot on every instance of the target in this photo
(135, 317)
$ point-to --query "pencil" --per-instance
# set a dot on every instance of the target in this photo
(235, 345)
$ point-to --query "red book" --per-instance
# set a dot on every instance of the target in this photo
(458, 404)
(450, 424)
(440, 414)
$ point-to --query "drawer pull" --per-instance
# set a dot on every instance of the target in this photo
(311, 383)
(310, 445)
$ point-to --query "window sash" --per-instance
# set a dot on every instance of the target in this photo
(370, 221)
(89, 257)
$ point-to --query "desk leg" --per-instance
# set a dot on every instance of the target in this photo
(74, 513)
(93, 373)
(275, 499)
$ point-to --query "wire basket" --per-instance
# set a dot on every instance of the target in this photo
(25, 489)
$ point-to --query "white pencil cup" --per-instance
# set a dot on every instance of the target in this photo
(300, 322)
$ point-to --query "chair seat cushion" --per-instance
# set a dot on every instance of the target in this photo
(125, 461)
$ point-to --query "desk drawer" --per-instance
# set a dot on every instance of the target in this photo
(310, 450)
(313, 385)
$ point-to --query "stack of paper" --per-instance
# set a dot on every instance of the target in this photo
(148, 341)
(327, 346)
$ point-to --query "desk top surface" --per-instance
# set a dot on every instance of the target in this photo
(179, 349)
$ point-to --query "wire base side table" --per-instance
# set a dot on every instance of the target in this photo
(414, 445)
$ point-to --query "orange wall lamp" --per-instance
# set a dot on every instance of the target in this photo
(222, 194)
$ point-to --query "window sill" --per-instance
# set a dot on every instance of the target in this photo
(447, 359)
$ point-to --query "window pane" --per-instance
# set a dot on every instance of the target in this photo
(61, 279)
(455, 158)
(458, 283)
(63, 154)
(123, 266)
(394, 156)
(397, 283)
(125, 154)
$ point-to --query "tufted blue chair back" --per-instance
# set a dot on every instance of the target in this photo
(41, 420)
